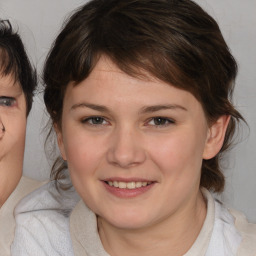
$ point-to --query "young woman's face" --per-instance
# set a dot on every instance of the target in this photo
(134, 147)
(12, 135)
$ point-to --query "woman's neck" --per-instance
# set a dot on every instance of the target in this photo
(173, 235)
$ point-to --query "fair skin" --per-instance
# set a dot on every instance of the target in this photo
(134, 149)
(12, 138)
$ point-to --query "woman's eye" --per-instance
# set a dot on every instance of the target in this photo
(160, 121)
(7, 101)
(95, 120)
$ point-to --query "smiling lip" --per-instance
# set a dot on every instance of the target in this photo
(127, 189)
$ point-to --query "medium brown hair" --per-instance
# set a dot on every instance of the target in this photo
(175, 41)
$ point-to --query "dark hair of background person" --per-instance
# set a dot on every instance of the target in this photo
(175, 41)
(14, 61)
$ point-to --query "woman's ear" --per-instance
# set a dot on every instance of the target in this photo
(60, 141)
(215, 137)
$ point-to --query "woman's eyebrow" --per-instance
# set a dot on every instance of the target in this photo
(156, 108)
(147, 109)
(99, 108)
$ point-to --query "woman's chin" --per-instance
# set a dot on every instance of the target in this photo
(127, 221)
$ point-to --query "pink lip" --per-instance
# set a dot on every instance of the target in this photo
(127, 193)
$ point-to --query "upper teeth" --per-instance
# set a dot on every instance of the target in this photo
(129, 185)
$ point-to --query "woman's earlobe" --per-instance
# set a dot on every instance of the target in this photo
(216, 136)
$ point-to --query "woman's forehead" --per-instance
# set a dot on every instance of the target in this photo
(106, 65)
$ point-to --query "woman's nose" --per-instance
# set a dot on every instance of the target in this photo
(126, 148)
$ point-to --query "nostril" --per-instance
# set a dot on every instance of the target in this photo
(2, 128)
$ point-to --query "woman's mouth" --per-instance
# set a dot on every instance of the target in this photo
(128, 189)
(128, 185)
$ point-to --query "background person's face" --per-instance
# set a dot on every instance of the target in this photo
(12, 135)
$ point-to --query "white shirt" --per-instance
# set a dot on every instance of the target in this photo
(45, 227)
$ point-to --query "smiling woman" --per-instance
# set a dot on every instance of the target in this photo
(140, 97)
(131, 141)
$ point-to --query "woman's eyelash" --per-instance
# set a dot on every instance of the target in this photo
(94, 120)
(7, 101)
(160, 121)
(156, 121)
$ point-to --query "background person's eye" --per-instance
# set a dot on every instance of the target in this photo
(7, 101)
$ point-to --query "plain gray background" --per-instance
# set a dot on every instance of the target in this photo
(39, 22)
